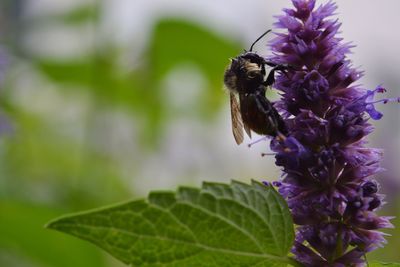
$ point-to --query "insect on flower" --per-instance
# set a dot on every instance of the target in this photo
(246, 79)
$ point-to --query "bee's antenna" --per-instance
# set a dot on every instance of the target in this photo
(258, 39)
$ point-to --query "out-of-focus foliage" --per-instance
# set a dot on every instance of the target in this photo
(384, 264)
(173, 42)
(61, 153)
(24, 237)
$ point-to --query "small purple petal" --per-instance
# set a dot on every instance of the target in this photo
(266, 183)
(276, 183)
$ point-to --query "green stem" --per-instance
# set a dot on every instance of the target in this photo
(339, 242)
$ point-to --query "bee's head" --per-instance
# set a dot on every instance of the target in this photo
(252, 71)
(253, 57)
(245, 73)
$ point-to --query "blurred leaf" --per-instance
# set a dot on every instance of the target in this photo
(75, 17)
(173, 42)
(75, 72)
(98, 75)
(39, 162)
(178, 41)
(383, 264)
(218, 225)
(22, 232)
(81, 15)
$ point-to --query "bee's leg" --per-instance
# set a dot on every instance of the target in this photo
(270, 79)
(263, 69)
(270, 63)
(280, 136)
(276, 65)
(271, 76)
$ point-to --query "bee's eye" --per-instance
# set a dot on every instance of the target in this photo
(252, 74)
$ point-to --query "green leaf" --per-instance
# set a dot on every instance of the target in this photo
(384, 264)
(24, 240)
(68, 72)
(74, 17)
(82, 14)
(53, 161)
(176, 41)
(217, 225)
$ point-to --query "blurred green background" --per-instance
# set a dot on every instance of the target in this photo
(104, 101)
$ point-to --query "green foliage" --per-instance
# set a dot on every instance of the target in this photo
(86, 13)
(217, 225)
(55, 167)
(172, 43)
(82, 14)
(384, 264)
(77, 72)
(175, 42)
(23, 236)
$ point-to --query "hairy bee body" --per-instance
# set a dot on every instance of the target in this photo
(245, 79)
(259, 114)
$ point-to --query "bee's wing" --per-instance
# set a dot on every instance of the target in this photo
(237, 122)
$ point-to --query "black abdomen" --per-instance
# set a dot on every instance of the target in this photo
(260, 116)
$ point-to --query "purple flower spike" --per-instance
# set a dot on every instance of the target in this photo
(328, 172)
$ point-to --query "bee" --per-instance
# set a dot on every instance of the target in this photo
(246, 81)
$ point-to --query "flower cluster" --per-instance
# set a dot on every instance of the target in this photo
(329, 173)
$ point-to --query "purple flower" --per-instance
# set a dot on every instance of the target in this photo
(329, 173)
